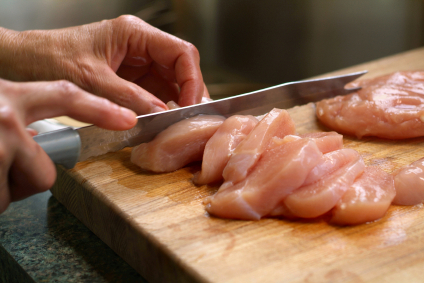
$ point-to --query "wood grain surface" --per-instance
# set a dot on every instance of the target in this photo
(157, 222)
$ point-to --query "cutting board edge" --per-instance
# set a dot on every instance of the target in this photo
(81, 202)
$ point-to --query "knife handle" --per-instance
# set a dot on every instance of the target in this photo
(62, 146)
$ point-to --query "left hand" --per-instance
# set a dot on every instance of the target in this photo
(25, 169)
(124, 60)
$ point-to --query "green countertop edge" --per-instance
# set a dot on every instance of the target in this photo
(42, 240)
(10, 270)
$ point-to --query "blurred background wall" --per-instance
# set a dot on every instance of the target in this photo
(249, 44)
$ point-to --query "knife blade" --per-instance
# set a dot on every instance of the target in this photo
(69, 146)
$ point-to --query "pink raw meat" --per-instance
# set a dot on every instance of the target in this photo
(279, 171)
(315, 199)
(178, 145)
(368, 198)
(277, 123)
(220, 146)
(391, 107)
(326, 141)
(409, 184)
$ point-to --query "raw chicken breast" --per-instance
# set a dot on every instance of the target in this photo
(220, 146)
(178, 145)
(277, 123)
(388, 107)
(409, 184)
(279, 171)
(326, 141)
(398, 78)
(313, 200)
(368, 199)
(329, 163)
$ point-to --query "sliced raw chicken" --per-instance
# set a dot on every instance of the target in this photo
(277, 123)
(388, 107)
(220, 146)
(279, 171)
(315, 199)
(326, 141)
(329, 163)
(178, 145)
(409, 184)
(368, 199)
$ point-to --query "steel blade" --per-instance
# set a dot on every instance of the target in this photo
(96, 141)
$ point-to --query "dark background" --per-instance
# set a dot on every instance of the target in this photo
(249, 44)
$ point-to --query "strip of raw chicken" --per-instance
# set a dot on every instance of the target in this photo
(277, 123)
(327, 165)
(315, 199)
(368, 198)
(326, 141)
(178, 145)
(220, 146)
(409, 184)
(279, 171)
(391, 107)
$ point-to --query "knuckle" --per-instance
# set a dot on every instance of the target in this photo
(191, 49)
(127, 19)
(9, 87)
(2, 83)
(9, 118)
(87, 78)
(66, 87)
(69, 92)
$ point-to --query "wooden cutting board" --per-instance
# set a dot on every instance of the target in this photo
(157, 222)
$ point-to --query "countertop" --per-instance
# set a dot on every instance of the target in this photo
(41, 241)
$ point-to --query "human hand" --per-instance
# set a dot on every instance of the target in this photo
(124, 60)
(25, 169)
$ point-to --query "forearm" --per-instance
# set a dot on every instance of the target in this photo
(8, 53)
(28, 56)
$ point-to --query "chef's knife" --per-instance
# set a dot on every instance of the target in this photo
(69, 146)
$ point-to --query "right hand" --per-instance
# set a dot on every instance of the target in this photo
(124, 60)
(25, 169)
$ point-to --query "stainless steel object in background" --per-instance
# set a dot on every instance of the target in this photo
(68, 146)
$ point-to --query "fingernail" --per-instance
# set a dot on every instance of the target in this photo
(129, 116)
(156, 108)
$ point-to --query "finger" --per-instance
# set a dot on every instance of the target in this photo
(107, 84)
(32, 132)
(168, 51)
(205, 92)
(24, 164)
(151, 82)
(51, 99)
(132, 73)
(32, 170)
(161, 88)
(183, 59)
